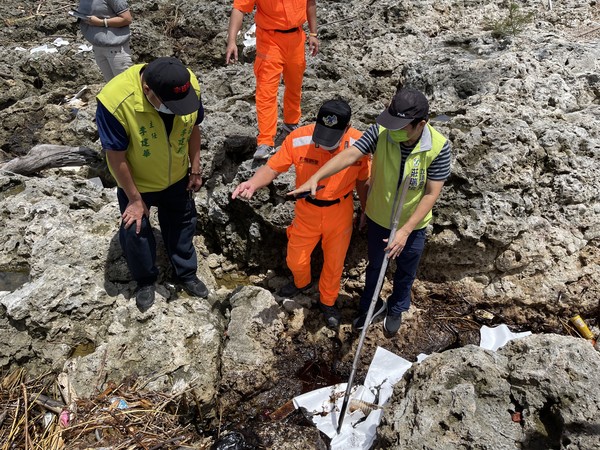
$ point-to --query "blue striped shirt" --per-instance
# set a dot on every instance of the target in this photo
(439, 170)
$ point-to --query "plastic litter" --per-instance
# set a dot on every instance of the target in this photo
(79, 93)
(43, 49)
(64, 418)
(76, 102)
(84, 48)
(360, 425)
(582, 327)
(118, 403)
(358, 430)
(48, 419)
(231, 441)
(250, 36)
(59, 42)
(494, 338)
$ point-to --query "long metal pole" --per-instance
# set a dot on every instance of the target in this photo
(398, 203)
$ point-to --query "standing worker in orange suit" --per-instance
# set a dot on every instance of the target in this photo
(326, 217)
(280, 42)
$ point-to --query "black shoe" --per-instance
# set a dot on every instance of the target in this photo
(331, 315)
(290, 289)
(195, 288)
(380, 309)
(286, 129)
(144, 297)
(391, 324)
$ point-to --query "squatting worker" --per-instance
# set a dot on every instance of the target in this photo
(406, 149)
(148, 119)
(280, 42)
(328, 215)
(107, 29)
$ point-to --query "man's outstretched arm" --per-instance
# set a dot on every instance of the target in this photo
(334, 165)
(261, 178)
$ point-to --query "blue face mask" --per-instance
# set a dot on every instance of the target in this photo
(398, 135)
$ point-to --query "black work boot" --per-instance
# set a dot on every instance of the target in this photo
(331, 315)
(290, 289)
(195, 287)
(380, 308)
(144, 297)
(391, 324)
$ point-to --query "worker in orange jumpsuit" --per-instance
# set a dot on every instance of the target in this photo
(328, 215)
(280, 42)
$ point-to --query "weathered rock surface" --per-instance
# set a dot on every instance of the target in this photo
(76, 313)
(518, 220)
(537, 392)
(516, 229)
(255, 326)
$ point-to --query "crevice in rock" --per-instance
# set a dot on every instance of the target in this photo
(553, 427)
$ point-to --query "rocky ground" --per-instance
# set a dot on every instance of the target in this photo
(515, 238)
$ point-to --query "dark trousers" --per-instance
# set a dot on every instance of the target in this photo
(177, 219)
(406, 267)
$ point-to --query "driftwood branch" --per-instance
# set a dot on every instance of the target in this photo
(48, 156)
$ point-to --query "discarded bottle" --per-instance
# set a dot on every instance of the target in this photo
(582, 327)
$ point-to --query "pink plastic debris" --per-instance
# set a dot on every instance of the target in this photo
(64, 418)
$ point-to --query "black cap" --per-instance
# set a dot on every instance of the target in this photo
(332, 120)
(170, 80)
(407, 105)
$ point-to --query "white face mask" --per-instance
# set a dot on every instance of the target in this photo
(330, 149)
(163, 109)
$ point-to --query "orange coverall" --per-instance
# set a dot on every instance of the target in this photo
(277, 53)
(331, 224)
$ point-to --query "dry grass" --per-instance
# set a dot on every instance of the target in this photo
(122, 417)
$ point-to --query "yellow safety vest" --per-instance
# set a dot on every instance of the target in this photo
(385, 176)
(156, 160)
